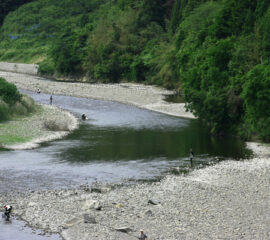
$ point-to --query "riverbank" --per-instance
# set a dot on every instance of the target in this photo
(227, 201)
(143, 96)
(47, 124)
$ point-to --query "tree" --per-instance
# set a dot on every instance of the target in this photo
(256, 96)
(7, 6)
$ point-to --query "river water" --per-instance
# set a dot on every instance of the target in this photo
(116, 143)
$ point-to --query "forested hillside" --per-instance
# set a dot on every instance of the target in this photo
(7, 6)
(216, 52)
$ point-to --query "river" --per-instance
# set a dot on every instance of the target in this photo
(116, 143)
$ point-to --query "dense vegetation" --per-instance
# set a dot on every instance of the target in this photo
(216, 52)
(12, 103)
(7, 6)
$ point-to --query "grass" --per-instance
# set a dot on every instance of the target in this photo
(10, 133)
(10, 139)
(18, 129)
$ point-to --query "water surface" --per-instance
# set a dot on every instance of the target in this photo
(118, 142)
(18, 230)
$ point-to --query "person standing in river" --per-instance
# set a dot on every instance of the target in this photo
(191, 156)
(51, 99)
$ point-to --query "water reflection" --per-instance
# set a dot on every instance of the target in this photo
(123, 144)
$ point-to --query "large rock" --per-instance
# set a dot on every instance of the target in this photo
(91, 204)
(70, 223)
(87, 218)
(124, 229)
(153, 202)
(149, 213)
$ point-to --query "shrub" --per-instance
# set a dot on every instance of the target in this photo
(9, 92)
(18, 109)
(28, 103)
(56, 125)
(46, 68)
(3, 110)
(256, 95)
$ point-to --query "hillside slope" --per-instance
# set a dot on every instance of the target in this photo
(216, 52)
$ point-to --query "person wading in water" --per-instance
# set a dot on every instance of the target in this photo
(191, 156)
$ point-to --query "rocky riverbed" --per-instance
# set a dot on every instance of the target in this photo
(230, 200)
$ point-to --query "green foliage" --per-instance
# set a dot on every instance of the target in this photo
(46, 67)
(215, 51)
(12, 103)
(30, 32)
(235, 18)
(68, 52)
(256, 95)
(7, 6)
(264, 32)
(116, 47)
(4, 110)
(219, 45)
(9, 92)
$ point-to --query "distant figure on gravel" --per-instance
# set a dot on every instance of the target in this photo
(83, 116)
(142, 235)
(51, 99)
(191, 156)
(8, 210)
(38, 91)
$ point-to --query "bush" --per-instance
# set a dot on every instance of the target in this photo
(46, 68)
(9, 92)
(4, 114)
(12, 102)
(256, 95)
(28, 103)
(55, 125)
(18, 109)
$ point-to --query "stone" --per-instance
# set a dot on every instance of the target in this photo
(119, 205)
(96, 190)
(89, 219)
(92, 204)
(153, 202)
(70, 223)
(124, 229)
(148, 213)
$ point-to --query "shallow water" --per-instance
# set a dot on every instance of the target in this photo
(17, 230)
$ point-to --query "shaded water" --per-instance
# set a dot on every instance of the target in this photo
(175, 98)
